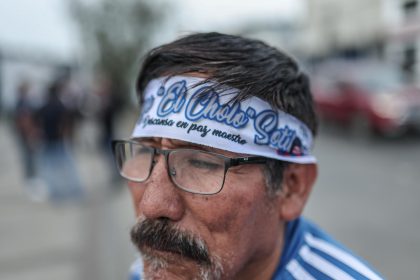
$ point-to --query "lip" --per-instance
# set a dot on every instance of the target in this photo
(167, 256)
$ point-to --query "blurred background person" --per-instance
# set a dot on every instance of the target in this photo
(71, 94)
(107, 109)
(57, 167)
(27, 133)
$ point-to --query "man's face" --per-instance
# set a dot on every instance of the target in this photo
(231, 234)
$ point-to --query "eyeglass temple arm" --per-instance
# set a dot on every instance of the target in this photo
(248, 160)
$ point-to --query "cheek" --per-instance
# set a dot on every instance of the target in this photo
(136, 192)
(236, 209)
(236, 220)
(229, 211)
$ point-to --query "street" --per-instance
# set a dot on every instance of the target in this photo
(366, 196)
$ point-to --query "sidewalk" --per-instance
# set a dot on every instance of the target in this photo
(89, 240)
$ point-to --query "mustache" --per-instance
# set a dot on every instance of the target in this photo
(161, 235)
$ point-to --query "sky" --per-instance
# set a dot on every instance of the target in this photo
(46, 26)
(42, 25)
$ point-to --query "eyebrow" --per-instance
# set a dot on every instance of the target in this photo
(181, 144)
(187, 145)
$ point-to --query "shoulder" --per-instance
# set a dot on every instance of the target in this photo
(316, 255)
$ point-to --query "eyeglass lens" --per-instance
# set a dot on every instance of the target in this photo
(192, 170)
(134, 161)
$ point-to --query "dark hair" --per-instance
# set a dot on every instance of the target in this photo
(251, 66)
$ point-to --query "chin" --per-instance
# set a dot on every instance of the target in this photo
(167, 265)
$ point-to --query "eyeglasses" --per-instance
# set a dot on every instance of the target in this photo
(194, 171)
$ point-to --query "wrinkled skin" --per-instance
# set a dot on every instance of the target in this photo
(242, 226)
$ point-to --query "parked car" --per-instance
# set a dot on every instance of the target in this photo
(372, 97)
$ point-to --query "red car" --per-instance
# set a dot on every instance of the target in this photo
(367, 96)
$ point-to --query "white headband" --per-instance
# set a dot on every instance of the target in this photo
(179, 108)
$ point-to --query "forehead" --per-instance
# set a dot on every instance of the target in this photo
(174, 143)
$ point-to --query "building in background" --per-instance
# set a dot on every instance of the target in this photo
(35, 66)
(403, 41)
(387, 30)
(347, 27)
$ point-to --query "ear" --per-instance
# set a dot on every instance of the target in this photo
(298, 180)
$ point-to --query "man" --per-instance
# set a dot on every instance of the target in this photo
(220, 167)
(57, 167)
(27, 132)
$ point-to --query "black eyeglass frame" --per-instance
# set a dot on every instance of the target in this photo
(229, 162)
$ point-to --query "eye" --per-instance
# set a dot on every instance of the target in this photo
(142, 150)
(202, 164)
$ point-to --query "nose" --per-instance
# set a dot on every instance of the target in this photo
(161, 198)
